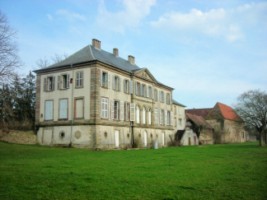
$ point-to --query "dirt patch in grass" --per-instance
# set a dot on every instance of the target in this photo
(18, 137)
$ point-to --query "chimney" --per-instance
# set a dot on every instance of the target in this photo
(131, 60)
(116, 52)
(96, 43)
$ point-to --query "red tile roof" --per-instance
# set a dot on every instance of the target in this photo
(227, 112)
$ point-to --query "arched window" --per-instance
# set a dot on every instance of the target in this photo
(149, 117)
(144, 115)
(137, 115)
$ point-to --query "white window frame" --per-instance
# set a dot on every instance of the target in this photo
(79, 79)
(104, 108)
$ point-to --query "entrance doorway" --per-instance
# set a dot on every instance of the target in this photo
(117, 139)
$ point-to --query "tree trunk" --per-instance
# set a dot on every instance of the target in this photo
(262, 139)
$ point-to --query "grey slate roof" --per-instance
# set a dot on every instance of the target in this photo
(90, 53)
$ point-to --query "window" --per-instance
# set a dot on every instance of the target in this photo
(156, 115)
(137, 113)
(156, 95)
(143, 91)
(126, 86)
(168, 99)
(150, 92)
(63, 109)
(48, 110)
(132, 112)
(162, 117)
(104, 107)
(180, 121)
(116, 83)
(79, 108)
(168, 118)
(149, 117)
(104, 79)
(138, 89)
(63, 81)
(79, 79)
(161, 97)
(127, 111)
(144, 115)
(49, 83)
(116, 109)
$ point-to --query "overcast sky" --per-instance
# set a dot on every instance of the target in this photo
(208, 50)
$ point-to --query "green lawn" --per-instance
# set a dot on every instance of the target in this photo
(236, 171)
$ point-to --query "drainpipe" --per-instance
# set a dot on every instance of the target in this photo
(72, 106)
(132, 122)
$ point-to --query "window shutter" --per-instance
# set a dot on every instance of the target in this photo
(166, 117)
(45, 84)
(156, 115)
(113, 83)
(111, 110)
(121, 110)
(136, 89)
(68, 81)
(59, 82)
(119, 84)
(53, 83)
(108, 83)
(132, 112)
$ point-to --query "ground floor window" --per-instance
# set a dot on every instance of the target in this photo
(48, 110)
(79, 108)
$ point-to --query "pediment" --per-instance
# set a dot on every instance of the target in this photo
(145, 74)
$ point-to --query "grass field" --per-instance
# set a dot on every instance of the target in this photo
(236, 171)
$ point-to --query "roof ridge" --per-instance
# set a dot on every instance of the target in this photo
(90, 49)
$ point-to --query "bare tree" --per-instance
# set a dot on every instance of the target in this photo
(44, 62)
(9, 60)
(252, 107)
(58, 58)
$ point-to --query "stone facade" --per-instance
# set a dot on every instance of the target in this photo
(95, 99)
(227, 126)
